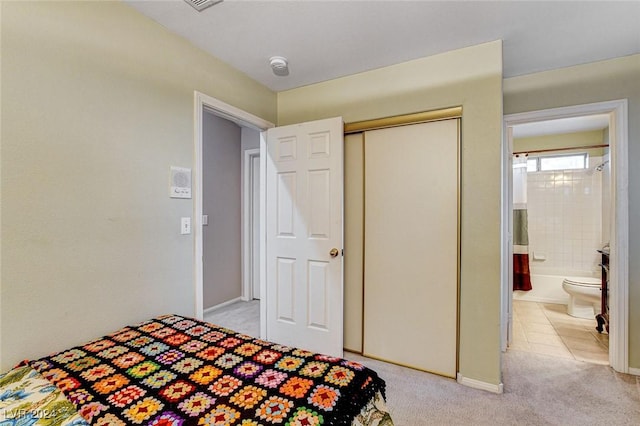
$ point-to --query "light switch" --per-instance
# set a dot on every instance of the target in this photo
(185, 225)
(205, 219)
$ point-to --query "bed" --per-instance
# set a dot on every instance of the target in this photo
(174, 370)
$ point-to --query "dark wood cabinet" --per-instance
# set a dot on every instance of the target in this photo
(603, 316)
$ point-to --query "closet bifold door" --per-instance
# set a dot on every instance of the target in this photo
(353, 240)
(411, 250)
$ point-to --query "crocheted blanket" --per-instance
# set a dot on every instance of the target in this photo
(173, 370)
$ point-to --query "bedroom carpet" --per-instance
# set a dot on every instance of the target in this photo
(538, 389)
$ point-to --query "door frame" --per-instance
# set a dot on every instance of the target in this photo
(618, 145)
(202, 103)
(248, 215)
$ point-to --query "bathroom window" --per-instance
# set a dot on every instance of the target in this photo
(557, 162)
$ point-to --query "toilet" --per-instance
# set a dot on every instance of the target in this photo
(584, 296)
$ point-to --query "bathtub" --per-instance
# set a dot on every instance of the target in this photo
(547, 289)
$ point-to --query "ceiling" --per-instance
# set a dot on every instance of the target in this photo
(562, 125)
(327, 39)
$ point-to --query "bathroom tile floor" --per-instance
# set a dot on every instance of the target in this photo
(546, 328)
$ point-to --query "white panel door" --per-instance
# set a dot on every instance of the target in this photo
(411, 246)
(304, 197)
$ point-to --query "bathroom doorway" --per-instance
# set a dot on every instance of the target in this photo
(574, 207)
(561, 199)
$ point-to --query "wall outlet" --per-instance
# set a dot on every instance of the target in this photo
(185, 225)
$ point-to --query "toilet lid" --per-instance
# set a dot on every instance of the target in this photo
(584, 282)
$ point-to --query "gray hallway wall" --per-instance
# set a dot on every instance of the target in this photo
(222, 203)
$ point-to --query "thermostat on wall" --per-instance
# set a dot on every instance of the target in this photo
(180, 182)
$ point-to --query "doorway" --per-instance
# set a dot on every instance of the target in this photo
(222, 206)
(205, 104)
(316, 147)
(615, 113)
(561, 222)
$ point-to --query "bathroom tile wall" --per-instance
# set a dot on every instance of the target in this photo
(565, 221)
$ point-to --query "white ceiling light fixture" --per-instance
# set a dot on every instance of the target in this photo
(279, 65)
(201, 5)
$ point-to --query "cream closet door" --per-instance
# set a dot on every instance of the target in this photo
(411, 245)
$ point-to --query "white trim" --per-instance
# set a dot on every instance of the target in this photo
(197, 181)
(221, 305)
(619, 263)
(247, 234)
(263, 235)
(634, 371)
(543, 300)
(477, 384)
(240, 117)
(619, 143)
(229, 112)
(506, 259)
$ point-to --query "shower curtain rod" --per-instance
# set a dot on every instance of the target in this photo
(538, 151)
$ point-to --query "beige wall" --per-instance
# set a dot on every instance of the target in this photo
(97, 103)
(565, 140)
(221, 164)
(470, 77)
(596, 82)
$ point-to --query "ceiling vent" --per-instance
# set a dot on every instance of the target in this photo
(201, 5)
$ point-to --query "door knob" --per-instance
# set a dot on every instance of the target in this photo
(334, 252)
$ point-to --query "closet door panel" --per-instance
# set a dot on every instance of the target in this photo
(411, 245)
(353, 240)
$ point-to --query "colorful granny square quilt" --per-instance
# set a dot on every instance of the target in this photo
(173, 370)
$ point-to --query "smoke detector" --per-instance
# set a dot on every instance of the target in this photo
(201, 5)
(279, 65)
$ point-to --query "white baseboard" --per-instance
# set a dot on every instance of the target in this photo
(634, 371)
(221, 305)
(539, 299)
(477, 384)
